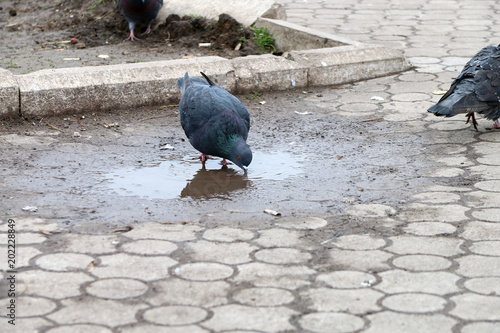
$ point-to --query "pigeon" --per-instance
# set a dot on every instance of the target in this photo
(476, 89)
(215, 122)
(136, 11)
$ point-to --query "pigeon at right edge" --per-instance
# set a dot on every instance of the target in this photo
(476, 89)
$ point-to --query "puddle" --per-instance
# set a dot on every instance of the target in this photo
(186, 178)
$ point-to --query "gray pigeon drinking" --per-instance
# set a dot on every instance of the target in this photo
(476, 89)
(215, 122)
(136, 11)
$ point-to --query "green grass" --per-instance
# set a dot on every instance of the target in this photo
(263, 39)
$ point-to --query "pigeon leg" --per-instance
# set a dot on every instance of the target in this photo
(148, 30)
(224, 162)
(474, 122)
(203, 158)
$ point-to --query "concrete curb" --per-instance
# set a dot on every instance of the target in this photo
(81, 89)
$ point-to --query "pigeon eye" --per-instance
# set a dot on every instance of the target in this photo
(239, 158)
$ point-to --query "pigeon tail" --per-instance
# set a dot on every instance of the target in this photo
(183, 83)
(208, 79)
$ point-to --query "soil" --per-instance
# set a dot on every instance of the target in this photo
(51, 34)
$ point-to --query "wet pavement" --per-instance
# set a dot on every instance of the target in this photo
(389, 215)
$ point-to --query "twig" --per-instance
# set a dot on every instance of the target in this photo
(52, 126)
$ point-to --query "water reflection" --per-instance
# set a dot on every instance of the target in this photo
(186, 178)
(215, 183)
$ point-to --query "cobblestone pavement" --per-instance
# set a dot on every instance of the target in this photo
(439, 272)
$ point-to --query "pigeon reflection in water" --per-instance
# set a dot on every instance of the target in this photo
(207, 184)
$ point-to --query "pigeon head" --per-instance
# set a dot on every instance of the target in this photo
(240, 154)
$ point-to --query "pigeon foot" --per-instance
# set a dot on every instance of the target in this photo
(496, 125)
(132, 37)
(473, 122)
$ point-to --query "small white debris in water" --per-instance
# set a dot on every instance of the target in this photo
(377, 98)
(76, 134)
(30, 209)
(72, 59)
(303, 113)
(167, 146)
(103, 56)
(367, 283)
(262, 102)
(272, 212)
(324, 64)
(177, 270)
(204, 44)
(115, 242)
(439, 92)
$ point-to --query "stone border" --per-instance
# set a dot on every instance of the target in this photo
(80, 89)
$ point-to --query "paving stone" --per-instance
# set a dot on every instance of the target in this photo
(150, 247)
(204, 271)
(346, 279)
(359, 242)
(151, 328)
(383, 322)
(425, 245)
(283, 255)
(370, 210)
(429, 228)
(481, 328)
(31, 306)
(301, 222)
(35, 224)
(489, 185)
(443, 172)
(373, 260)
(175, 315)
(23, 238)
(263, 296)
(492, 215)
(414, 303)
(23, 256)
(437, 197)
(410, 97)
(90, 244)
(430, 213)
(64, 262)
(399, 281)
(280, 238)
(123, 265)
(226, 234)
(482, 199)
(171, 232)
(235, 316)
(476, 307)
(328, 322)
(421, 263)
(88, 310)
(227, 253)
(487, 285)
(485, 172)
(181, 292)
(116, 288)
(35, 324)
(81, 328)
(477, 266)
(487, 248)
(61, 284)
(360, 301)
(267, 275)
(477, 231)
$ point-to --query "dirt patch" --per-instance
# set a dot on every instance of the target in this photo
(37, 35)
